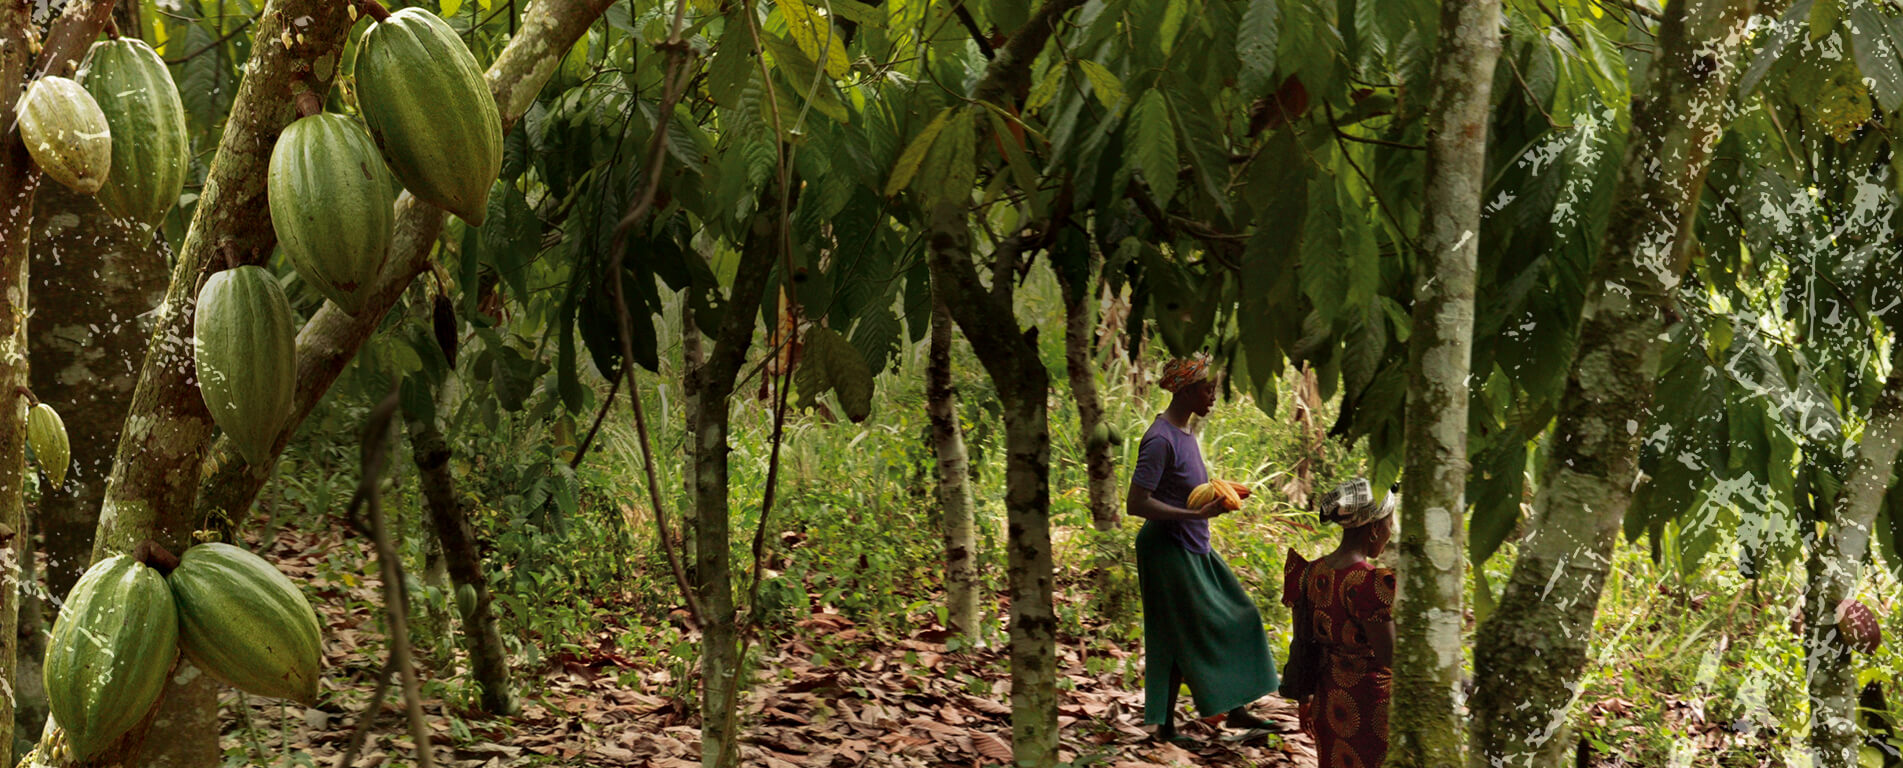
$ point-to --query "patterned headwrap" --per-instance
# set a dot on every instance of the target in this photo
(1183, 371)
(1352, 504)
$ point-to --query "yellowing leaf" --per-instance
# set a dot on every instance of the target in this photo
(450, 7)
(1046, 88)
(159, 37)
(914, 154)
(1109, 89)
(816, 36)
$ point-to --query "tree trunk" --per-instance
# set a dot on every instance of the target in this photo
(17, 183)
(1080, 327)
(488, 662)
(954, 479)
(1837, 567)
(1529, 655)
(154, 481)
(1426, 715)
(692, 357)
(94, 277)
(715, 379)
(29, 685)
(331, 338)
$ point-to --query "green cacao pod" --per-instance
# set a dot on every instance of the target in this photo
(1113, 434)
(243, 621)
(66, 134)
(330, 204)
(111, 649)
(244, 340)
(46, 434)
(150, 151)
(424, 98)
(466, 601)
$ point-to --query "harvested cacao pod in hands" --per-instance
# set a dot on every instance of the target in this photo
(1231, 493)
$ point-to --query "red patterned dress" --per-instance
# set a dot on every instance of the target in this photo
(1349, 713)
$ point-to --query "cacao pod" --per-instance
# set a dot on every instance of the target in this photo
(150, 151)
(66, 134)
(243, 337)
(46, 434)
(1100, 435)
(1115, 435)
(1213, 490)
(331, 206)
(466, 601)
(242, 621)
(111, 649)
(1859, 626)
(1242, 491)
(426, 103)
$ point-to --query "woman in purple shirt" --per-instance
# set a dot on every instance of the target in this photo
(1199, 626)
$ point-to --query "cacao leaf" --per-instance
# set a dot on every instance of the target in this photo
(1152, 149)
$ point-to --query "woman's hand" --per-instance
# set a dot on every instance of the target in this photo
(1212, 510)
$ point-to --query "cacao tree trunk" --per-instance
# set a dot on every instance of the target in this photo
(488, 661)
(330, 339)
(94, 277)
(954, 479)
(1837, 567)
(1080, 327)
(692, 356)
(715, 380)
(1426, 717)
(1529, 655)
(29, 684)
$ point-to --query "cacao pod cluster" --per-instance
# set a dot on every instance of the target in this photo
(118, 132)
(1231, 494)
(124, 624)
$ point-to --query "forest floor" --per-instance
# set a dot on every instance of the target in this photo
(872, 701)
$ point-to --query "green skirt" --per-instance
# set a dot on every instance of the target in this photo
(1199, 622)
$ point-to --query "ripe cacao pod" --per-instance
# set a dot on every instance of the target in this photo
(1859, 626)
(66, 134)
(150, 151)
(427, 105)
(244, 340)
(242, 621)
(1213, 490)
(111, 649)
(331, 206)
(46, 435)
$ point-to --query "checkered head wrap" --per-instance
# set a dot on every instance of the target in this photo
(1352, 504)
(1183, 371)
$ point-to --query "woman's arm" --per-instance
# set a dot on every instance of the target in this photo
(1139, 503)
(1381, 638)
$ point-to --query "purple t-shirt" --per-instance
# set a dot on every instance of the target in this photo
(1169, 466)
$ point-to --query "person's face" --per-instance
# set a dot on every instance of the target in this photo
(1202, 397)
(1382, 533)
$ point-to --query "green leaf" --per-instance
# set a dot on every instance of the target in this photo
(1046, 89)
(832, 362)
(1823, 18)
(1152, 147)
(450, 7)
(856, 12)
(914, 154)
(1878, 44)
(816, 37)
(1256, 44)
(876, 335)
(1108, 88)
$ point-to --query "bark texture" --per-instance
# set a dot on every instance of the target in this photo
(94, 277)
(331, 338)
(692, 356)
(1009, 355)
(1836, 569)
(1530, 653)
(1080, 327)
(449, 518)
(720, 662)
(954, 479)
(1426, 719)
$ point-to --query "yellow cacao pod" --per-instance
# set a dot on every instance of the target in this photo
(1213, 490)
(46, 433)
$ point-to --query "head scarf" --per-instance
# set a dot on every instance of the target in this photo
(1352, 504)
(1183, 371)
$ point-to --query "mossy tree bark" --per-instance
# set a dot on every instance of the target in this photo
(94, 276)
(692, 356)
(331, 338)
(954, 478)
(1836, 568)
(1531, 652)
(1426, 717)
(1080, 329)
(715, 380)
(449, 518)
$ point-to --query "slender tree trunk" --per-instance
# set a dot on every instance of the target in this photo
(715, 379)
(94, 277)
(954, 479)
(488, 661)
(17, 183)
(1530, 653)
(1080, 328)
(331, 338)
(29, 685)
(692, 357)
(1426, 721)
(1837, 567)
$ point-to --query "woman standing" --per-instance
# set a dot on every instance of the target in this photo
(1349, 605)
(1199, 627)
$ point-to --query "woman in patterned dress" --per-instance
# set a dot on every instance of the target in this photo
(1349, 603)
